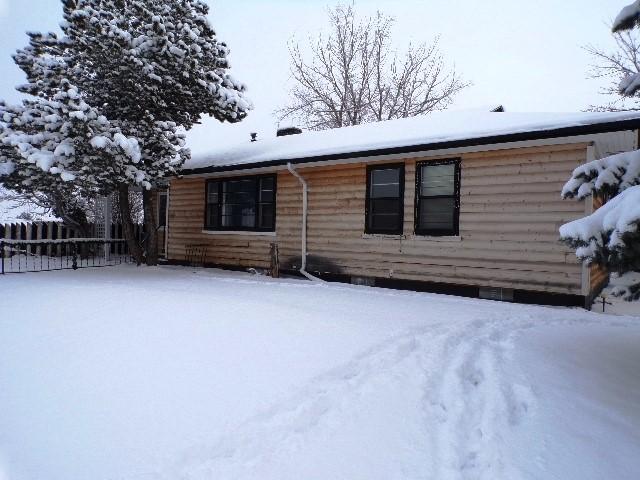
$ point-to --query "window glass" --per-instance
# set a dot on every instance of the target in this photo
(213, 216)
(212, 192)
(239, 203)
(437, 213)
(385, 183)
(384, 204)
(213, 210)
(267, 193)
(242, 203)
(438, 180)
(266, 216)
(384, 214)
(438, 199)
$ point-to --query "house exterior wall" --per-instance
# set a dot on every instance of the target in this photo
(510, 213)
(615, 142)
(186, 226)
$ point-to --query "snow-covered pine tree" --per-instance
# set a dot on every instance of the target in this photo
(627, 19)
(610, 237)
(111, 97)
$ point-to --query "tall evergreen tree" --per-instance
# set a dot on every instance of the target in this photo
(610, 237)
(110, 97)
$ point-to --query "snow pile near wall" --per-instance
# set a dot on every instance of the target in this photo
(433, 128)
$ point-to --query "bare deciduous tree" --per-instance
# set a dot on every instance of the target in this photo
(27, 207)
(353, 75)
(74, 210)
(616, 65)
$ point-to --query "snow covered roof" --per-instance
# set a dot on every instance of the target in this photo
(440, 130)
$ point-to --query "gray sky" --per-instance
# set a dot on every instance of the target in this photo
(522, 54)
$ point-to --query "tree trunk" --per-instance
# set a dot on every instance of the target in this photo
(150, 227)
(127, 224)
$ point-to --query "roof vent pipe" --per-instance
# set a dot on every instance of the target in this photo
(305, 201)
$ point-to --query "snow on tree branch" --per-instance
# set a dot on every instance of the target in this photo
(110, 95)
(610, 236)
(606, 176)
(612, 228)
(625, 285)
(617, 63)
(627, 18)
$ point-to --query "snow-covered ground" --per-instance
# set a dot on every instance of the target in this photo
(169, 373)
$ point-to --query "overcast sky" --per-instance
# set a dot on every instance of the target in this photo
(524, 55)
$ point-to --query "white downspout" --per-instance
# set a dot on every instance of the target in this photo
(305, 201)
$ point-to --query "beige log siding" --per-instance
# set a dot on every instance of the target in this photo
(599, 277)
(186, 222)
(615, 142)
(510, 214)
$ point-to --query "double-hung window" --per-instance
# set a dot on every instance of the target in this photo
(384, 202)
(438, 198)
(241, 203)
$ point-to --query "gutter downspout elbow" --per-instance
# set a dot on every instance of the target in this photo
(305, 201)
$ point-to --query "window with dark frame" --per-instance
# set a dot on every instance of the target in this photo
(385, 199)
(438, 198)
(241, 203)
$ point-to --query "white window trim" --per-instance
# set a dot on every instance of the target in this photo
(239, 232)
(419, 238)
(432, 238)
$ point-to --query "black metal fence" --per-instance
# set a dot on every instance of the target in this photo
(20, 256)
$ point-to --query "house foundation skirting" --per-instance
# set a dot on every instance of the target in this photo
(470, 291)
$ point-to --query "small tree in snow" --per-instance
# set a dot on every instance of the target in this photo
(110, 97)
(610, 237)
